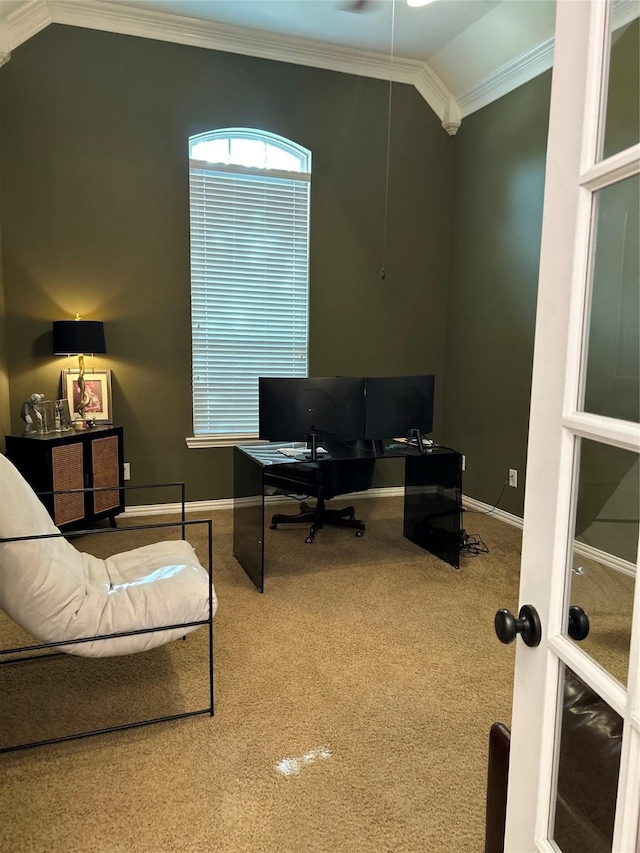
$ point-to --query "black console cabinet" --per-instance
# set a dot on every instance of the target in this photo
(73, 460)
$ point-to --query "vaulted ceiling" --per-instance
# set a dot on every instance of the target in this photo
(459, 54)
(462, 40)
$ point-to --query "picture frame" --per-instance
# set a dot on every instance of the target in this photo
(98, 384)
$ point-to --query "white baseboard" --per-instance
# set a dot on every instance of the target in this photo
(588, 551)
(479, 506)
(581, 548)
(609, 560)
(228, 503)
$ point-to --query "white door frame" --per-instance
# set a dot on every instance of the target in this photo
(571, 179)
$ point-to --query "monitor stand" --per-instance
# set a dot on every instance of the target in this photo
(415, 433)
(312, 439)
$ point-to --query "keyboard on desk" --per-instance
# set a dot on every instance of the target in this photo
(300, 451)
(411, 442)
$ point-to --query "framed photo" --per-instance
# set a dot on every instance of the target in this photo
(97, 386)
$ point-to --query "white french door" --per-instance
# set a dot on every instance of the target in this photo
(580, 541)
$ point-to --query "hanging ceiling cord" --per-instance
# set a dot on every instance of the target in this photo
(386, 187)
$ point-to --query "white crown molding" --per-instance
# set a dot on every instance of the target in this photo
(22, 25)
(37, 14)
(527, 66)
(452, 118)
(507, 78)
(5, 48)
(624, 11)
(430, 86)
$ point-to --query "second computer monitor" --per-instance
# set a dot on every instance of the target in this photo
(290, 409)
(396, 405)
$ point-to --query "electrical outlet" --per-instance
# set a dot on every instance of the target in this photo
(513, 478)
(127, 470)
(464, 463)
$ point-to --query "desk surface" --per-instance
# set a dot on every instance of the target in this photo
(269, 453)
(431, 506)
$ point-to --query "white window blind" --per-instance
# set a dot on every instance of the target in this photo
(249, 287)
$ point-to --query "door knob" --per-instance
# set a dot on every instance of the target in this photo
(528, 624)
(578, 623)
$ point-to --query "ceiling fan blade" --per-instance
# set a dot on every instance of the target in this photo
(358, 6)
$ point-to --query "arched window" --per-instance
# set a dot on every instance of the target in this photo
(249, 213)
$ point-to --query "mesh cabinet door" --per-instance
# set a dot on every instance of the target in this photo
(105, 468)
(67, 466)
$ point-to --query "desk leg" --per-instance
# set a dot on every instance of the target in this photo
(248, 517)
(433, 504)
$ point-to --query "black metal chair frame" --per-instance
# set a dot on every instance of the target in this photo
(38, 646)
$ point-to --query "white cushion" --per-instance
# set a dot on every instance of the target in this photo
(56, 593)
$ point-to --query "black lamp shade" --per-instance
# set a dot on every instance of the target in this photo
(71, 337)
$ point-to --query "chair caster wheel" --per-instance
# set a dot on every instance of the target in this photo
(309, 540)
(273, 527)
(360, 532)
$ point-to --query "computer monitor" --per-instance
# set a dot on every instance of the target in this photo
(397, 406)
(291, 409)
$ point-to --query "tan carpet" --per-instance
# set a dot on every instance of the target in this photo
(353, 705)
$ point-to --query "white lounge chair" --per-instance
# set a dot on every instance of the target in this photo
(75, 603)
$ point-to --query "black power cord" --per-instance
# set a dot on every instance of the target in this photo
(472, 545)
(487, 511)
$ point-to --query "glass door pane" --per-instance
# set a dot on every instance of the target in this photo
(613, 356)
(588, 767)
(604, 554)
(622, 122)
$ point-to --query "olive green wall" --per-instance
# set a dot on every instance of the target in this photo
(94, 217)
(499, 165)
(5, 405)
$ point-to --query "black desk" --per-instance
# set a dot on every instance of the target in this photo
(432, 496)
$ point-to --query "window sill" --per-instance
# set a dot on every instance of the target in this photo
(232, 440)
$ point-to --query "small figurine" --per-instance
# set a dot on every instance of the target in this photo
(30, 414)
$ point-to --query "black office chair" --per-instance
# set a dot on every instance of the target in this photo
(322, 481)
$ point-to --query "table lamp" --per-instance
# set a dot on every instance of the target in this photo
(79, 337)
